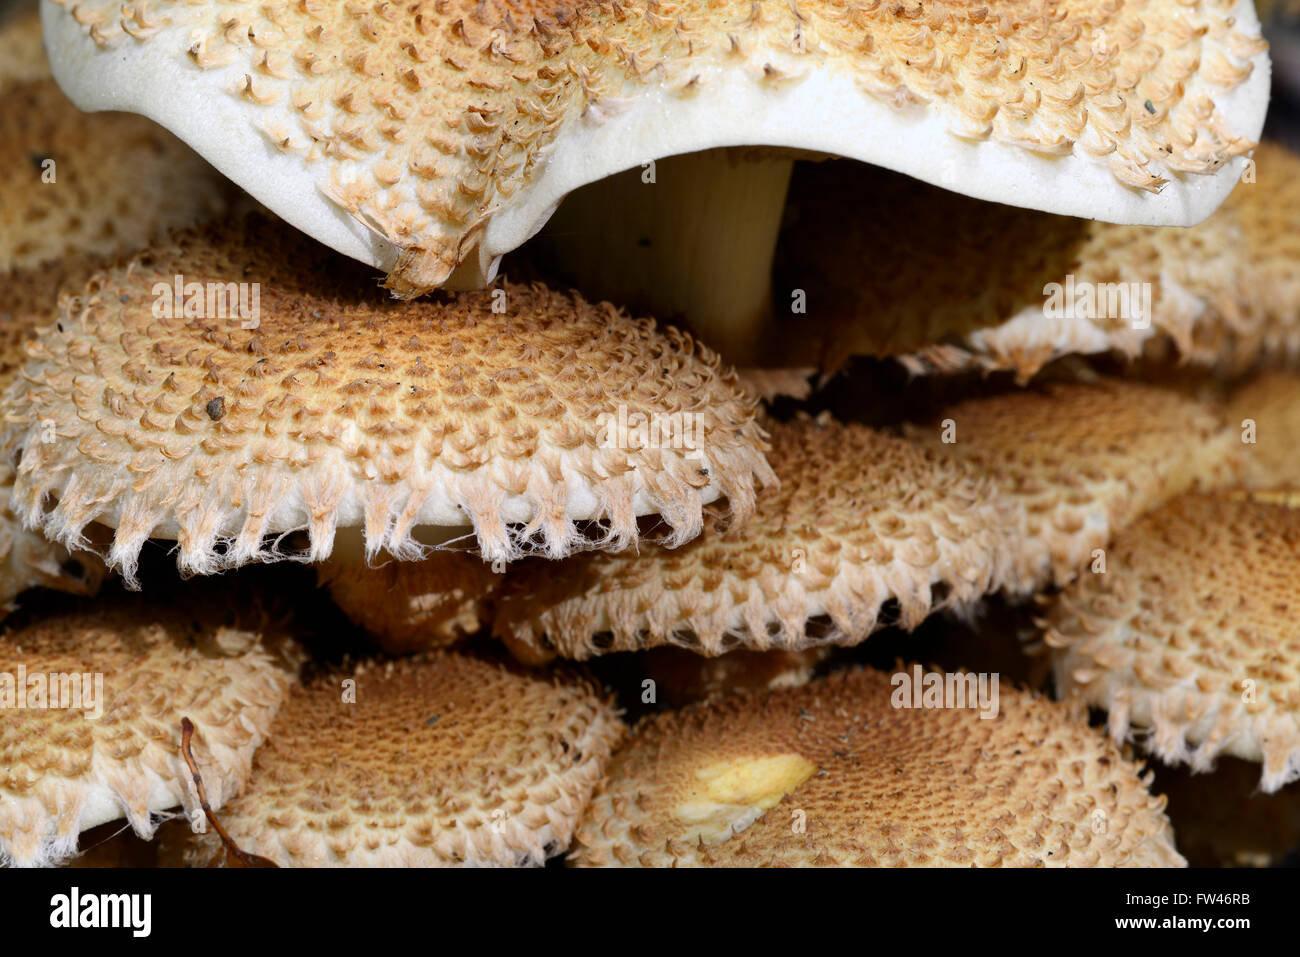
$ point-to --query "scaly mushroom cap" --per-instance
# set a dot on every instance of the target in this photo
(1077, 462)
(413, 606)
(28, 559)
(1191, 635)
(833, 774)
(64, 770)
(1267, 410)
(435, 762)
(859, 519)
(411, 136)
(116, 182)
(891, 265)
(1224, 294)
(332, 406)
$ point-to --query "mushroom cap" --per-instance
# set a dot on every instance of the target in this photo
(891, 265)
(334, 406)
(833, 773)
(1271, 401)
(119, 181)
(414, 606)
(438, 761)
(859, 519)
(418, 137)
(63, 771)
(912, 278)
(1191, 635)
(1223, 294)
(1076, 462)
(28, 559)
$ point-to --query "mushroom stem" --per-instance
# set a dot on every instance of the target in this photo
(686, 238)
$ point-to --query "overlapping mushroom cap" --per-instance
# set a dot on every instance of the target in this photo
(1267, 410)
(1191, 636)
(892, 267)
(860, 519)
(417, 137)
(1076, 462)
(836, 773)
(235, 383)
(78, 184)
(439, 761)
(413, 606)
(92, 705)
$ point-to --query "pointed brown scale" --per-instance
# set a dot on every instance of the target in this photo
(319, 404)
(114, 751)
(1191, 639)
(1077, 462)
(414, 606)
(443, 760)
(834, 774)
(860, 519)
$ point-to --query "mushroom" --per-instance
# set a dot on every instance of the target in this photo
(93, 702)
(836, 773)
(27, 558)
(1267, 412)
(1076, 462)
(414, 606)
(435, 761)
(860, 519)
(507, 416)
(945, 283)
(80, 185)
(1190, 637)
(433, 136)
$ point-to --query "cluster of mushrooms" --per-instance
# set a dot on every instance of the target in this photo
(340, 449)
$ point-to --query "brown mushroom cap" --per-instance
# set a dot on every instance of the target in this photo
(334, 406)
(860, 518)
(119, 181)
(947, 283)
(1191, 636)
(63, 771)
(436, 762)
(1079, 461)
(1267, 410)
(833, 774)
(890, 264)
(414, 606)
